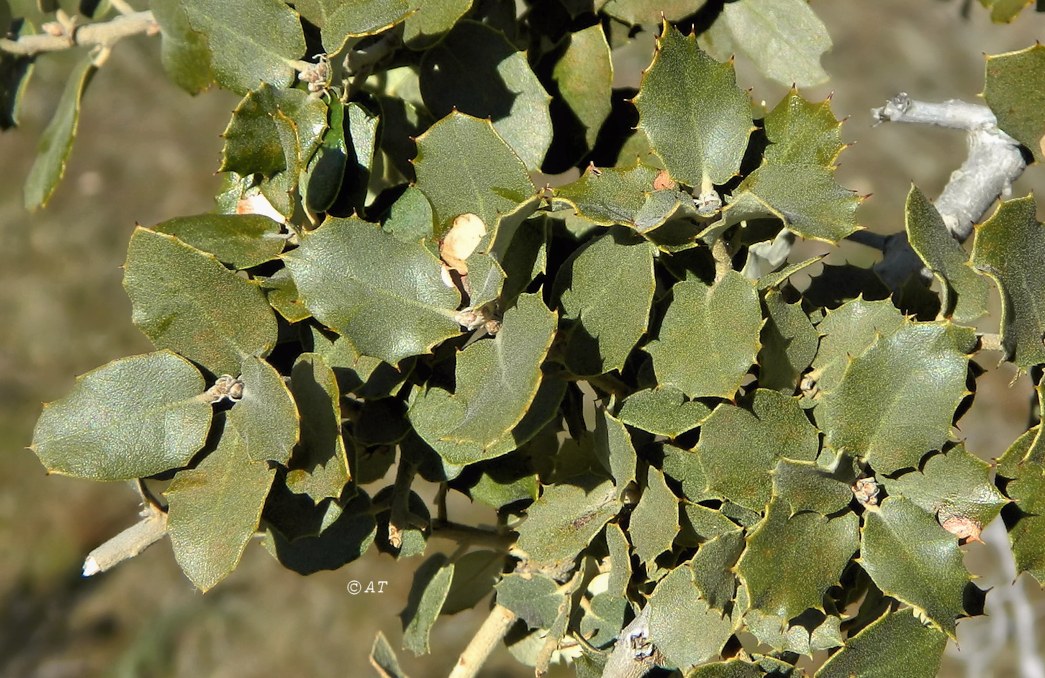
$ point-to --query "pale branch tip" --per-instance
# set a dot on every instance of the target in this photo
(483, 642)
(128, 543)
(993, 162)
(635, 653)
(102, 34)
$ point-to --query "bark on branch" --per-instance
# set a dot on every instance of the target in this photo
(65, 36)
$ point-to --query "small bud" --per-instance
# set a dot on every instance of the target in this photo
(866, 491)
(963, 527)
(708, 203)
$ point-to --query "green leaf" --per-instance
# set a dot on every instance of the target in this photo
(475, 574)
(266, 417)
(695, 116)
(685, 466)
(965, 292)
(701, 523)
(1004, 11)
(725, 319)
(605, 290)
(786, 581)
(535, 598)
(802, 132)
(739, 447)
(283, 296)
(847, 332)
(475, 70)
(383, 658)
(804, 486)
(810, 632)
(733, 668)
(1026, 486)
(1014, 87)
(682, 625)
(15, 71)
(185, 300)
(346, 539)
(410, 218)
(911, 558)
(605, 615)
(566, 518)
(642, 12)
(895, 402)
(614, 449)
(789, 343)
(184, 52)
(134, 417)
(663, 411)
(805, 197)
(497, 380)
(250, 41)
(325, 172)
(386, 296)
(427, 594)
(896, 644)
(464, 167)
(1010, 248)
(273, 130)
(655, 519)
(623, 196)
(215, 509)
(713, 568)
(776, 278)
(338, 20)
(319, 466)
(784, 38)
(430, 19)
(584, 75)
(56, 143)
(239, 240)
(952, 484)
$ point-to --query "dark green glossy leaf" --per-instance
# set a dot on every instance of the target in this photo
(319, 465)
(605, 291)
(56, 143)
(283, 296)
(475, 70)
(695, 116)
(709, 337)
(784, 38)
(215, 509)
(430, 19)
(497, 380)
(1026, 487)
(15, 71)
(427, 594)
(787, 581)
(338, 20)
(464, 167)
(344, 540)
(965, 292)
(643, 12)
(897, 643)
(738, 447)
(1014, 87)
(410, 218)
(325, 172)
(847, 332)
(625, 196)
(895, 401)
(185, 300)
(655, 519)
(663, 411)
(911, 558)
(682, 625)
(386, 296)
(566, 518)
(239, 240)
(131, 418)
(185, 53)
(250, 41)
(802, 132)
(266, 417)
(1010, 248)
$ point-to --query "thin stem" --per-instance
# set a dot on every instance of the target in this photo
(723, 260)
(482, 644)
(471, 535)
(128, 543)
(103, 34)
(871, 239)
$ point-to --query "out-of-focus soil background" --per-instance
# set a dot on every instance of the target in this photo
(145, 153)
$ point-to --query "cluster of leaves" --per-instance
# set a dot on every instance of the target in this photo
(629, 369)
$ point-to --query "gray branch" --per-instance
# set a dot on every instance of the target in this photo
(63, 36)
(994, 161)
(635, 654)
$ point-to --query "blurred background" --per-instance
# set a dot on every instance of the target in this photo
(145, 153)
